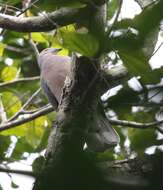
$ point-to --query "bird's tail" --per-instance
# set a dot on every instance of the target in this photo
(101, 136)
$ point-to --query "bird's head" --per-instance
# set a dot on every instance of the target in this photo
(46, 54)
(50, 50)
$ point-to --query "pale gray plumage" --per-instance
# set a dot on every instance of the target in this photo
(54, 69)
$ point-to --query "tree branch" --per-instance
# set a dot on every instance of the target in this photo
(113, 77)
(49, 109)
(23, 172)
(45, 22)
(24, 51)
(22, 111)
(116, 73)
(10, 83)
(26, 119)
(134, 124)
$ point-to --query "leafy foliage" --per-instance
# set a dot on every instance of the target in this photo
(133, 43)
(84, 44)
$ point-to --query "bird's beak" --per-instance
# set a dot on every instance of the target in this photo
(56, 50)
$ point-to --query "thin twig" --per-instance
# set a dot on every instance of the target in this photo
(3, 115)
(31, 98)
(154, 95)
(116, 17)
(33, 46)
(27, 8)
(134, 124)
(20, 80)
(31, 42)
(124, 161)
(24, 51)
(10, 6)
(15, 123)
(160, 129)
(22, 172)
(22, 11)
(24, 106)
(156, 50)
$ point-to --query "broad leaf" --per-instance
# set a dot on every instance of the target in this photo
(21, 146)
(11, 103)
(2, 46)
(37, 164)
(38, 37)
(14, 185)
(83, 43)
(141, 139)
(139, 33)
(112, 7)
(137, 65)
(9, 73)
(35, 131)
(123, 101)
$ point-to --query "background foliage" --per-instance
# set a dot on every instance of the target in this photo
(130, 42)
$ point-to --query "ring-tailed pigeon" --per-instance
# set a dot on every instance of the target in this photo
(54, 69)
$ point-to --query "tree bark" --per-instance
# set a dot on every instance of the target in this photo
(45, 22)
(67, 165)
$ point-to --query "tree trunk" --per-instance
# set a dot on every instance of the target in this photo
(67, 165)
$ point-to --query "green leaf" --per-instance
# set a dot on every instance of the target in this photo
(4, 145)
(142, 139)
(2, 46)
(112, 7)
(21, 146)
(105, 156)
(37, 164)
(44, 140)
(35, 131)
(146, 25)
(14, 185)
(17, 131)
(149, 19)
(120, 103)
(9, 73)
(38, 37)
(11, 37)
(11, 103)
(11, 2)
(83, 43)
(138, 65)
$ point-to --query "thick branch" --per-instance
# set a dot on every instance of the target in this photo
(45, 22)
